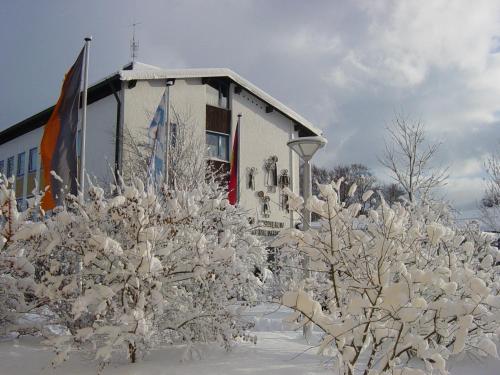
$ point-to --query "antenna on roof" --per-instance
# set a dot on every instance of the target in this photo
(134, 44)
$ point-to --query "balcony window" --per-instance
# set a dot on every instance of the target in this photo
(20, 163)
(218, 146)
(33, 160)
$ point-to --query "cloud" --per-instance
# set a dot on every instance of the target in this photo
(346, 66)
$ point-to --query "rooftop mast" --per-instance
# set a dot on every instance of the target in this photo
(134, 44)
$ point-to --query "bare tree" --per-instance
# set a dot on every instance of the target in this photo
(490, 204)
(355, 173)
(391, 193)
(186, 157)
(408, 158)
(187, 154)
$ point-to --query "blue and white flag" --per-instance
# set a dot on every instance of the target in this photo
(157, 140)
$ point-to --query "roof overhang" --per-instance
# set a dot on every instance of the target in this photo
(154, 74)
(96, 92)
(140, 71)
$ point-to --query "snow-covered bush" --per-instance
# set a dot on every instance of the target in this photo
(396, 291)
(16, 272)
(139, 268)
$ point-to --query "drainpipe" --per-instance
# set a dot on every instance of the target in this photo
(118, 133)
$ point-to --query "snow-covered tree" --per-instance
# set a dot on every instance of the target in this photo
(16, 271)
(395, 289)
(139, 268)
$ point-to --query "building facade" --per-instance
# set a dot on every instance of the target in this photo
(211, 99)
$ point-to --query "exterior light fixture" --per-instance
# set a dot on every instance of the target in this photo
(306, 147)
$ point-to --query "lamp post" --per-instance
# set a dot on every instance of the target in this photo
(306, 147)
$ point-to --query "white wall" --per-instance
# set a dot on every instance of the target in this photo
(140, 103)
(101, 129)
(188, 100)
(261, 136)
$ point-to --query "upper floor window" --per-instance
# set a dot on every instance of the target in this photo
(1, 167)
(33, 160)
(20, 163)
(218, 145)
(10, 166)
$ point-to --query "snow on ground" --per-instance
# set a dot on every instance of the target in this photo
(278, 351)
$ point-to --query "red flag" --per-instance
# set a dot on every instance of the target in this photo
(233, 174)
(58, 146)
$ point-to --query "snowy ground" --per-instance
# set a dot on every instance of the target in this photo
(278, 351)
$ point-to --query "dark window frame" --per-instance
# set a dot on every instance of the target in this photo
(20, 164)
(220, 137)
(10, 167)
(34, 160)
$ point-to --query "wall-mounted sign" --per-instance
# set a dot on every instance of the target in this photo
(271, 224)
(268, 228)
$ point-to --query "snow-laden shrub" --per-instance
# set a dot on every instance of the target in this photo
(140, 268)
(395, 289)
(16, 271)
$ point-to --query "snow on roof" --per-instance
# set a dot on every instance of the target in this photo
(136, 65)
(142, 73)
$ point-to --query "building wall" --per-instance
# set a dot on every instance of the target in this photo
(101, 122)
(186, 102)
(263, 135)
(15, 147)
(100, 139)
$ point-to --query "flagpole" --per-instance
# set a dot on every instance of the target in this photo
(166, 163)
(239, 162)
(81, 177)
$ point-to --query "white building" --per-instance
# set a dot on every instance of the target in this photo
(214, 98)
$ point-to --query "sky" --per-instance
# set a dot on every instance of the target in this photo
(347, 66)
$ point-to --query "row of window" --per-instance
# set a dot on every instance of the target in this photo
(218, 147)
(8, 168)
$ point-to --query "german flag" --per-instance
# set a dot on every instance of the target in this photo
(58, 146)
(233, 174)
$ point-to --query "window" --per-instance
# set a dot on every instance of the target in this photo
(173, 134)
(10, 166)
(1, 167)
(33, 160)
(20, 163)
(218, 146)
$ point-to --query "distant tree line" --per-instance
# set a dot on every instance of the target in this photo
(364, 179)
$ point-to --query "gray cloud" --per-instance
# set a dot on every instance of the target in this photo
(346, 66)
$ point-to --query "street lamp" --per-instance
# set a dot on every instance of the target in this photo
(306, 147)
